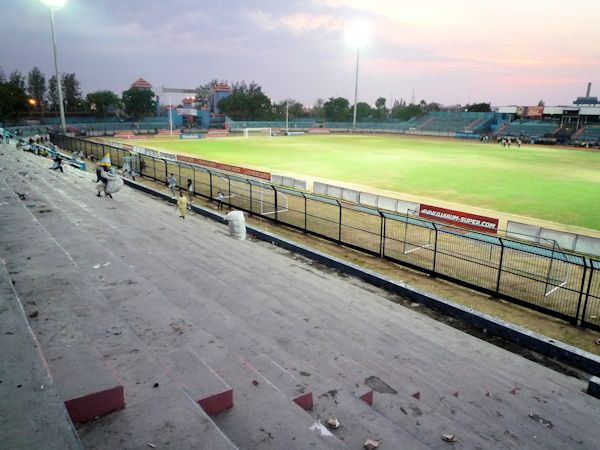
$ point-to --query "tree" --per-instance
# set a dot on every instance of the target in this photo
(317, 110)
(204, 91)
(53, 93)
(103, 103)
(479, 107)
(246, 102)
(17, 79)
(71, 91)
(380, 112)
(36, 85)
(337, 109)
(138, 103)
(406, 112)
(363, 111)
(2, 76)
(542, 103)
(13, 101)
(294, 109)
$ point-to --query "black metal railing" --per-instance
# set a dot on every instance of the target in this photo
(547, 279)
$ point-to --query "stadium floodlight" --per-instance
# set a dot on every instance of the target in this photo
(356, 37)
(52, 5)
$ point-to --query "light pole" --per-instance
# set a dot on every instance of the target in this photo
(355, 91)
(52, 5)
(356, 37)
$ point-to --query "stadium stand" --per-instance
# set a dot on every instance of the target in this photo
(531, 128)
(268, 324)
(590, 135)
(456, 122)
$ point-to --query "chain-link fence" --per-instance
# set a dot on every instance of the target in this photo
(543, 278)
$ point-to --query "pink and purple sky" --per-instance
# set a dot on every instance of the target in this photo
(464, 51)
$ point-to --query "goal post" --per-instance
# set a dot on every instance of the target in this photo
(260, 132)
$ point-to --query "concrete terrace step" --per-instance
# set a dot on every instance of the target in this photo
(263, 416)
(33, 415)
(358, 420)
(59, 323)
(199, 380)
(85, 384)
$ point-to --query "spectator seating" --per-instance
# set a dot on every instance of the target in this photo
(590, 134)
(530, 128)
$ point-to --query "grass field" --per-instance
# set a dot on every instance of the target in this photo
(549, 183)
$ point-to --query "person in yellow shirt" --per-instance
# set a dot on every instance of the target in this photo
(182, 204)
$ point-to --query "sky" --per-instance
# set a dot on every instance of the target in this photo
(452, 52)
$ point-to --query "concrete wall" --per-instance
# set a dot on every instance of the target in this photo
(288, 181)
(567, 241)
(589, 245)
(523, 231)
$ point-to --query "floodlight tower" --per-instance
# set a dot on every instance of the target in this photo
(52, 5)
(356, 37)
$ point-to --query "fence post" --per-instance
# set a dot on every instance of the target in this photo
(500, 265)
(210, 184)
(276, 215)
(229, 190)
(587, 293)
(577, 320)
(166, 169)
(382, 235)
(305, 215)
(340, 223)
(250, 185)
(435, 243)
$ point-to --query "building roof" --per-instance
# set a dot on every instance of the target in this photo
(221, 87)
(140, 83)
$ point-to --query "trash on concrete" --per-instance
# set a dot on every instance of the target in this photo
(371, 444)
(541, 420)
(333, 423)
(255, 383)
(318, 426)
(34, 314)
(156, 385)
(151, 445)
(449, 438)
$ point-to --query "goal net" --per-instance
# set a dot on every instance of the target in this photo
(257, 132)
(271, 201)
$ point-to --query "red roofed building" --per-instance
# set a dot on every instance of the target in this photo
(140, 83)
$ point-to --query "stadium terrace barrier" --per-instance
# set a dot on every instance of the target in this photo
(546, 279)
(567, 241)
(291, 182)
(365, 198)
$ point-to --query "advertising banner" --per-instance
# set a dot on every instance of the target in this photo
(187, 112)
(226, 167)
(458, 218)
(535, 111)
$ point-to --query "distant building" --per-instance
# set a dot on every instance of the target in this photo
(218, 92)
(587, 100)
(140, 83)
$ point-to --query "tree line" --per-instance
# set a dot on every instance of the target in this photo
(20, 95)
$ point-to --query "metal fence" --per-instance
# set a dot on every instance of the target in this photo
(547, 279)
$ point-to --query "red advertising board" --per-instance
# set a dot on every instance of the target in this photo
(226, 167)
(458, 218)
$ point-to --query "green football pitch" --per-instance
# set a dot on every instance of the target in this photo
(549, 183)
